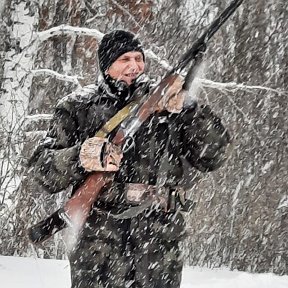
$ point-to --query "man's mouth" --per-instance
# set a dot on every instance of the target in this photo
(131, 75)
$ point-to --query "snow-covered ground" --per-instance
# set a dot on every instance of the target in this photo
(16, 272)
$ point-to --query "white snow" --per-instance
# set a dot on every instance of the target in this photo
(266, 167)
(283, 202)
(17, 272)
(195, 277)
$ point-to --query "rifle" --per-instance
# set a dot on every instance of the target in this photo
(76, 210)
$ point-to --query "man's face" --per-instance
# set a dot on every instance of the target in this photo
(127, 67)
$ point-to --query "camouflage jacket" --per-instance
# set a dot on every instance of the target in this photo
(196, 134)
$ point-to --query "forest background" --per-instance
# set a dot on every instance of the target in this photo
(48, 49)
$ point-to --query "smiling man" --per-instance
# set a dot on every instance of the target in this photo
(127, 67)
(121, 58)
(127, 241)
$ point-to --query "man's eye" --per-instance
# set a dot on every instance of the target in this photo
(139, 59)
(125, 59)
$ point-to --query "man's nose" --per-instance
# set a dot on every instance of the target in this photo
(133, 64)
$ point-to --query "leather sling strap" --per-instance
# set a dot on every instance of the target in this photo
(112, 123)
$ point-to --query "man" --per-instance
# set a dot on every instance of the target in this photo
(127, 242)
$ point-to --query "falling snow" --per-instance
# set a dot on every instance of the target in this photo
(49, 50)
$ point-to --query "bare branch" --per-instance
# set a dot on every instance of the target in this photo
(127, 12)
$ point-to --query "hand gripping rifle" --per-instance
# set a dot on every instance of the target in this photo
(77, 208)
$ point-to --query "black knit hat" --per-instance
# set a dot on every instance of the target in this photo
(114, 44)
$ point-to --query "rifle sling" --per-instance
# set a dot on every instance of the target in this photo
(112, 123)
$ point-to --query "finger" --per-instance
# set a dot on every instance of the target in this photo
(173, 90)
(175, 104)
(113, 162)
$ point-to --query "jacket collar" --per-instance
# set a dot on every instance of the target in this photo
(126, 94)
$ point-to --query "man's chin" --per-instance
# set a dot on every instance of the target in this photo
(129, 80)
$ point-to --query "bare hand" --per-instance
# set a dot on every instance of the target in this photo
(174, 97)
(97, 154)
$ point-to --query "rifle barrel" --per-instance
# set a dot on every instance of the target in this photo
(200, 44)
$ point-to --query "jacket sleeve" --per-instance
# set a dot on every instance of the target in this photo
(55, 161)
(204, 139)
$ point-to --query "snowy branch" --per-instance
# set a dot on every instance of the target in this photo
(68, 78)
(236, 86)
(67, 29)
(206, 83)
(72, 30)
(37, 117)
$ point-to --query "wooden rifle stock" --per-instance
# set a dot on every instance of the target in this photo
(75, 211)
